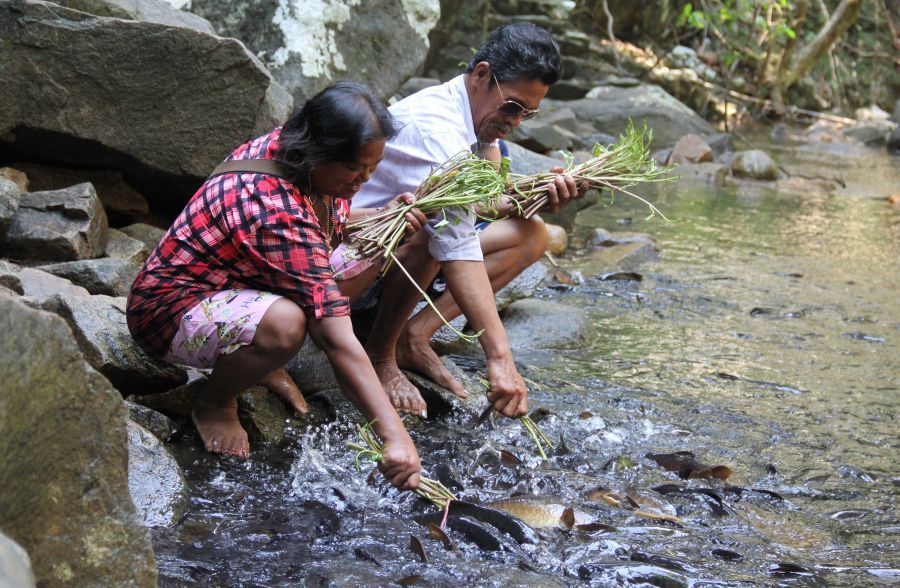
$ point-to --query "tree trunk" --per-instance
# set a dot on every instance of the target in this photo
(841, 19)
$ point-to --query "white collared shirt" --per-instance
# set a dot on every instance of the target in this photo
(436, 124)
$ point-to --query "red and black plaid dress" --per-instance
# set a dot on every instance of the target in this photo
(239, 231)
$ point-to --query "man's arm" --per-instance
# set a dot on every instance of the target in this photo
(471, 289)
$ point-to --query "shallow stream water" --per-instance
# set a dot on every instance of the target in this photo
(765, 337)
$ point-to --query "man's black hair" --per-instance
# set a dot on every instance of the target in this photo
(521, 51)
(334, 125)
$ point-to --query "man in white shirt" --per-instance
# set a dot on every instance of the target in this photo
(503, 85)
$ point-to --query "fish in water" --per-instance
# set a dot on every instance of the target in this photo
(541, 512)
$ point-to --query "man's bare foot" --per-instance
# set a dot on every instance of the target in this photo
(281, 383)
(404, 396)
(220, 429)
(417, 356)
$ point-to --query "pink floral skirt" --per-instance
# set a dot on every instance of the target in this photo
(218, 325)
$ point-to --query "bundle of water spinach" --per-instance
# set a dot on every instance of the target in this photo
(373, 449)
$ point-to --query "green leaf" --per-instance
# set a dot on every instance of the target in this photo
(568, 157)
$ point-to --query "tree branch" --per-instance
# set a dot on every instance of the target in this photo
(841, 19)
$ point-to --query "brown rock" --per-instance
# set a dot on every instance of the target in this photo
(559, 240)
(691, 149)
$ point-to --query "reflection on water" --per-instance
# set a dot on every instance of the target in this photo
(765, 338)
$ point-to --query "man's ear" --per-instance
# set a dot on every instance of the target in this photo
(482, 72)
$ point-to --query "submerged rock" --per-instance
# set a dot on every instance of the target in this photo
(538, 324)
(755, 164)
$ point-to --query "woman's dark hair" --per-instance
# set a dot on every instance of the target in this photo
(521, 51)
(334, 125)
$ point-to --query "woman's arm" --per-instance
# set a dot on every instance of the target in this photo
(415, 218)
(357, 379)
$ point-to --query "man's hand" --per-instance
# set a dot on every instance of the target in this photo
(563, 190)
(415, 218)
(507, 394)
(400, 461)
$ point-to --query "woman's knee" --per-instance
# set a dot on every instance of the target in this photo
(282, 329)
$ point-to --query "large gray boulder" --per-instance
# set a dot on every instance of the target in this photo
(112, 189)
(9, 203)
(62, 434)
(155, 481)
(39, 285)
(9, 277)
(147, 10)
(111, 276)
(98, 323)
(58, 225)
(306, 44)
(146, 234)
(120, 246)
(609, 109)
(142, 95)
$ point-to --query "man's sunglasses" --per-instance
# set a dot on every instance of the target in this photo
(511, 108)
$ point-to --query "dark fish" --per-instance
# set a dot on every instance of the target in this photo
(784, 568)
(594, 527)
(539, 414)
(718, 505)
(686, 465)
(436, 532)
(485, 415)
(739, 491)
(481, 534)
(446, 475)
(416, 546)
(727, 555)
(623, 276)
(363, 554)
(409, 580)
(496, 518)
(509, 458)
(663, 562)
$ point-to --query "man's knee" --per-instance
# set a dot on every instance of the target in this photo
(532, 238)
(282, 329)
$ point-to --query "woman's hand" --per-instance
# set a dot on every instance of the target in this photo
(400, 461)
(415, 218)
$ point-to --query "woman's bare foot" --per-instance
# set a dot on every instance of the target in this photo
(417, 356)
(220, 429)
(404, 396)
(281, 383)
